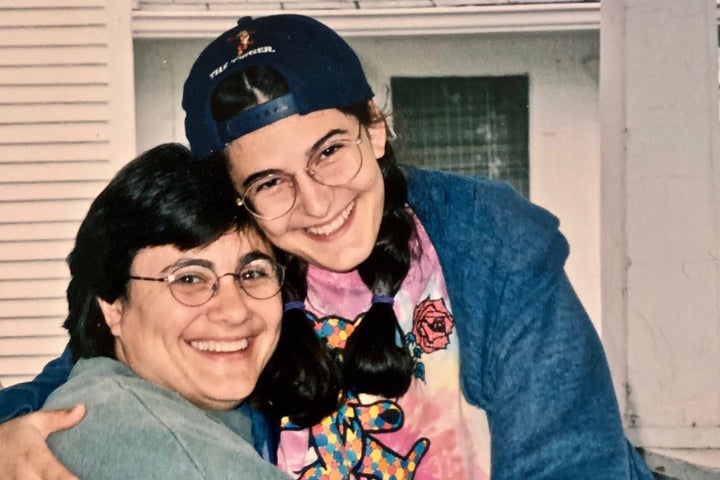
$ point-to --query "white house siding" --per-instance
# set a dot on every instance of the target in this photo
(66, 124)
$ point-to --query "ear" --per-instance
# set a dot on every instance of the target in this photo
(377, 130)
(113, 313)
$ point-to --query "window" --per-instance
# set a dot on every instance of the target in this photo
(470, 125)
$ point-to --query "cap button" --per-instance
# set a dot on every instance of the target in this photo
(245, 19)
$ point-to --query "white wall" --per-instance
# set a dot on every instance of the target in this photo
(564, 131)
(661, 218)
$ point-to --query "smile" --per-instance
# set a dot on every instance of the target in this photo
(334, 225)
(222, 347)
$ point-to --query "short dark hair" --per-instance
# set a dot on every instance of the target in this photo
(163, 197)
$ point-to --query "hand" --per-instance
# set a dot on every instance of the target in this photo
(25, 454)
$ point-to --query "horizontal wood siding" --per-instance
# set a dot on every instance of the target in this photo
(59, 97)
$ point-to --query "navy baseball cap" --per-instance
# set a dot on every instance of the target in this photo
(320, 68)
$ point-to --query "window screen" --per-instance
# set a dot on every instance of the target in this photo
(470, 125)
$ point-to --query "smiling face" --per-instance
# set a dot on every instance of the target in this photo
(331, 227)
(210, 354)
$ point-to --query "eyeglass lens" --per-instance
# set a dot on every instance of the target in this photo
(334, 164)
(194, 285)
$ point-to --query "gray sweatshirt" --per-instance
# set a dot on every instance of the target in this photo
(135, 429)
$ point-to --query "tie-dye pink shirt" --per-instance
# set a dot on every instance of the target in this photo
(430, 433)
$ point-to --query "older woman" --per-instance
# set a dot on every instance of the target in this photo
(174, 311)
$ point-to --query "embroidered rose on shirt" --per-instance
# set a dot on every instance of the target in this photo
(432, 325)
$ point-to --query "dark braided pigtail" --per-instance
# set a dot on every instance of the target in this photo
(302, 379)
(376, 359)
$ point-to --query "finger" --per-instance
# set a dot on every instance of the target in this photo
(51, 421)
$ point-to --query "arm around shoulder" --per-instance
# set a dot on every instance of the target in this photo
(25, 453)
(134, 429)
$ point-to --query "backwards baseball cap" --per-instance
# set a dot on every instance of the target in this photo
(320, 68)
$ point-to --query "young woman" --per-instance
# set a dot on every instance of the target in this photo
(442, 298)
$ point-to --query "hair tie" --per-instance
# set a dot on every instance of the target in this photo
(382, 299)
(294, 306)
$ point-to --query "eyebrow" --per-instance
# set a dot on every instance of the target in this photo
(244, 260)
(315, 146)
(251, 257)
(184, 262)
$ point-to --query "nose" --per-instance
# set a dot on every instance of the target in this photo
(314, 197)
(229, 303)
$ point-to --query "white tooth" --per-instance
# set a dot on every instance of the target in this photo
(216, 346)
(329, 228)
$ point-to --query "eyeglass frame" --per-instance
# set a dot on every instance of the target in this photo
(168, 279)
(241, 200)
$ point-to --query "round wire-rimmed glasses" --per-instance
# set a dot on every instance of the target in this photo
(194, 283)
(272, 194)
